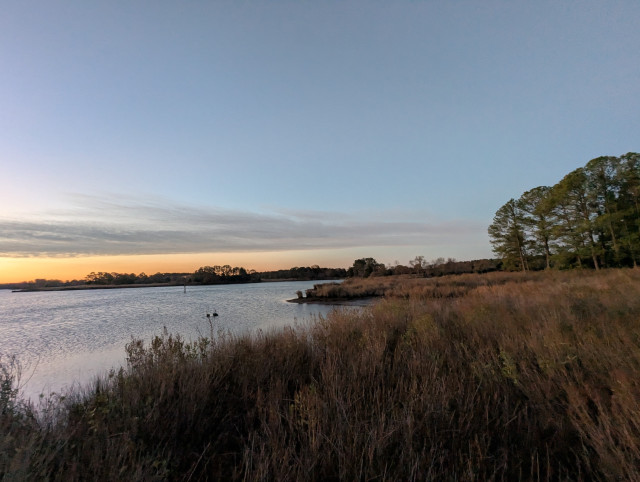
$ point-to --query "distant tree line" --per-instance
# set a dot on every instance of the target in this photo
(591, 218)
(307, 273)
(102, 278)
(205, 275)
(419, 266)
(211, 275)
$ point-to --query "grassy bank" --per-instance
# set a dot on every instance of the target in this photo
(477, 377)
(415, 287)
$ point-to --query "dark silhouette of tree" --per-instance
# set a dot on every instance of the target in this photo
(365, 267)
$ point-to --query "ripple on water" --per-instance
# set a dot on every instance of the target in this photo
(73, 335)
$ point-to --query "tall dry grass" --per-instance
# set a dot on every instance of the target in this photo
(478, 377)
(416, 287)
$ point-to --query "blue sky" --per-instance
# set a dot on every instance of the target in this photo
(334, 130)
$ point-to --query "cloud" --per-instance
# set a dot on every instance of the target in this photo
(96, 226)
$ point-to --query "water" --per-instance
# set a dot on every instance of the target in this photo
(66, 338)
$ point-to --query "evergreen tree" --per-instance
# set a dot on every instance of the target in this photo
(507, 234)
(538, 221)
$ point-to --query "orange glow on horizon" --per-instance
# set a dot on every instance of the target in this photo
(16, 270)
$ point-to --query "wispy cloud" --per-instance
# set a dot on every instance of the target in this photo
(104, 226)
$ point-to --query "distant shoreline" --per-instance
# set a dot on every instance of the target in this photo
(91, 287)
(142, 285)
(366, 301)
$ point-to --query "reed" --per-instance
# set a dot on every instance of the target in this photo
(502, 376)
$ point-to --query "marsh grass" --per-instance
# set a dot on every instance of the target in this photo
(474, 377)
(417, 287)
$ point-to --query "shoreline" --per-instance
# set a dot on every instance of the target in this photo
(147, 285)
(112, 287)
(89, 287)
(365, 301)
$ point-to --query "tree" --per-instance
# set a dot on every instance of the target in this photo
(365, 267)
(604, 192)
(100, 278)
(418, 264)
(436, 262)
(538, 220)
(507, 234)
(629, 205)
(572, 192)
(124, 278)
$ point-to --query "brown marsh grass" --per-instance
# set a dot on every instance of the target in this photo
(417, 287)
(474, 377)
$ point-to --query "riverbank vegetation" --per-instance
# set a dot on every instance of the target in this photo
(590, 218)
(501, 376)
(405, 287)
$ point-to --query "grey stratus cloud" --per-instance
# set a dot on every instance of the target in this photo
(129, 228)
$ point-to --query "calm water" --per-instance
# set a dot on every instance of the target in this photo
(64, 338)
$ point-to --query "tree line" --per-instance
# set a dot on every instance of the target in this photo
(419, 266)
(304, 273)
(226, 274)
(590, 218)
(204, 275)
(104, 278)
(210, 275)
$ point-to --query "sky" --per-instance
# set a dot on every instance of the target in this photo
(164, 136)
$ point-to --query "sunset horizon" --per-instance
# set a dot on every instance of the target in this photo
(18, 270)
(275, 134)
